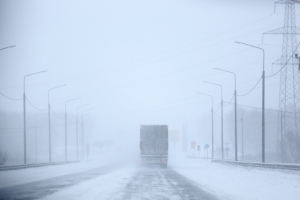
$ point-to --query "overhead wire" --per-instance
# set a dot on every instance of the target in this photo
(34, 106)
(218, 108)
(261, 108)
(171, 51)
(241, 95)
(229, 101)
(10, 98)
(293, 54)
(61, 117)
(223, 118)
(29, 128)
(56, 114)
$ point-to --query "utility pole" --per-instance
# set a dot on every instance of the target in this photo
(49, 122)
(66, 129)
(289, 89)
(212, 123)
(82, 141)
(221, 116)
(77, 155)
(24, 110)
(82, 129)
(242, 120)
(235, 112)
(36, 135)
(263, 99)
(227, 149)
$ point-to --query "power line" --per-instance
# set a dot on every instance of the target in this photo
(218, 108)
(70, 121)
(38, 127)
(261, 108)
(224, 119)
(9, 97)
(151, 62)
(159, 87)
(34, 106)
(293, 54)
(251, 89)
(56, 114)
(229, 101)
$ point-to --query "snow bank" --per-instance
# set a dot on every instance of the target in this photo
(239, 183)
(17, 177)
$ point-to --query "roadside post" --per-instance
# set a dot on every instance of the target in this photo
(193, 146)
(206, 147)
(198, 149)
(227, 149)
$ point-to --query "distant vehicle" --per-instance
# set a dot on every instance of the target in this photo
(154, 145)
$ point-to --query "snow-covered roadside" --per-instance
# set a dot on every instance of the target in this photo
(17, 177)
(104, 158)
(239, 183)
(107, 186)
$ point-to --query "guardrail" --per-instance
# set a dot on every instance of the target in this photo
(206, 158)
(260, 165)
(16, 167)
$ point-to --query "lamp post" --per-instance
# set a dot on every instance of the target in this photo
(12, 46)
(235, 112)
(212, 123)
(184, 135)
(50, 159)
(297, 138)
(263, 99)
(77, 128)
(24, 110)
(36, 135)
(242, 120)
(221, 115)
(82, 129)
(66, 129)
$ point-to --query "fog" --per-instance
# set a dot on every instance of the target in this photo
(135, 63)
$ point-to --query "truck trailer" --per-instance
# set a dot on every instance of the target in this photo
(154, 145)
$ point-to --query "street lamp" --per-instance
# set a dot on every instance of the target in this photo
(50, 159)
(36, 135)
(8, 47)
(82, 129)
(263, 99)
(235, 114)
(77, 127)
(212, 123)
(221, 115)
(24, 110)
(242, 120)
(66, 131)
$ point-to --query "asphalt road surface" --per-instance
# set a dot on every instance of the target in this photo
(161, 184)
(39, 189)
(146, 183)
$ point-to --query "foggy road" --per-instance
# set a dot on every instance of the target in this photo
(142, 183)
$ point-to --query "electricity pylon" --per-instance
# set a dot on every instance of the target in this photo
(289, 94)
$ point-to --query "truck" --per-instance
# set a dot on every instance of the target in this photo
(154, 145)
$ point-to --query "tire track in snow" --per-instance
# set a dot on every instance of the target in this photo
(163, 184)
